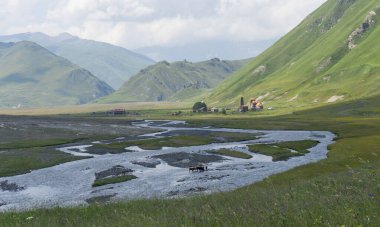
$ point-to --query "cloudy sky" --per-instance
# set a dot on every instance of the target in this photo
(138, 24)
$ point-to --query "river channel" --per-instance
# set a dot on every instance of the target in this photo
(70, 184)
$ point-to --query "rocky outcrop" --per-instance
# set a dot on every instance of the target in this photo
(367, 24)
(323, 65)
(259, 70)
(197, 85)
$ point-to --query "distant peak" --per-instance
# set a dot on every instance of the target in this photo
(65, 36)
(164, 63)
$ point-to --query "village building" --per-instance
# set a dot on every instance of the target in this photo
(253, 105)
(214, 110)
(117, 111)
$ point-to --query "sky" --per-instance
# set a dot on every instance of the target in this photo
(136, 24)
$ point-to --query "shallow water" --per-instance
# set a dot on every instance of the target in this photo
(71, 183)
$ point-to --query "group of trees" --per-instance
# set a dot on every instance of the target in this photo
(200, 106)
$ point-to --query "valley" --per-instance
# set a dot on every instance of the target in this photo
(349, 174)
(93, 134)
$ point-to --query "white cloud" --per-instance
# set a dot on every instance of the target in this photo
(139, 23)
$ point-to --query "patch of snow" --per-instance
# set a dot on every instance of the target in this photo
(293, 99)
(335, 98)
(260, 69)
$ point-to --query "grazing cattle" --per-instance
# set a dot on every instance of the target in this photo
(200, 168)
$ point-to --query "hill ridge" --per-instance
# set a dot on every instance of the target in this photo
(304, 68)
(32, 76)
(108, 62)
(178, 81)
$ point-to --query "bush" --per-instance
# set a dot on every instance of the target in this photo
(199, 105)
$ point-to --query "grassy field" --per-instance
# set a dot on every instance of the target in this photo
(299, 146)
(341, 190)
(36, 143)
(277, 153)
(89, 108)
(282, 151)
(19, 161)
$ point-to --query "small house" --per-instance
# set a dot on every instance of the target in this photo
(117, 111)
(215, 110)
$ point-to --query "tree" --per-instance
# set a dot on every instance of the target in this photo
(199, 106)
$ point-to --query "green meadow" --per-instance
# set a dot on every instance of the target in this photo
(340, 190)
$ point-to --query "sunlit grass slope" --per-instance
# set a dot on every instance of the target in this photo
(177, 81)
(315, 63)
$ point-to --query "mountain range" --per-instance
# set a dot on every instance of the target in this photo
(109, 63)
(30, 76)
(175, 81)
(332, 56)
(205, 50)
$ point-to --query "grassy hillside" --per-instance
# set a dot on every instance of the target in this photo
(110, 63)
(32, 76)
(175, 81)
(332, 56)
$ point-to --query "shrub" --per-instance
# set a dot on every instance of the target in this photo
(199, 105)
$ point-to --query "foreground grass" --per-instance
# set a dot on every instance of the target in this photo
(230, 153)
(343, 189)
(113, 180)
(349, 197)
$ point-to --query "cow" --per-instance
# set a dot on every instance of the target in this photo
(199, 168)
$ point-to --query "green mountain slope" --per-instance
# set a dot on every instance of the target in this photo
(110, 63)
(30, 75)
(332, 56)
(175, 81)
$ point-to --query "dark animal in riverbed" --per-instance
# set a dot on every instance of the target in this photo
(199, 168)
